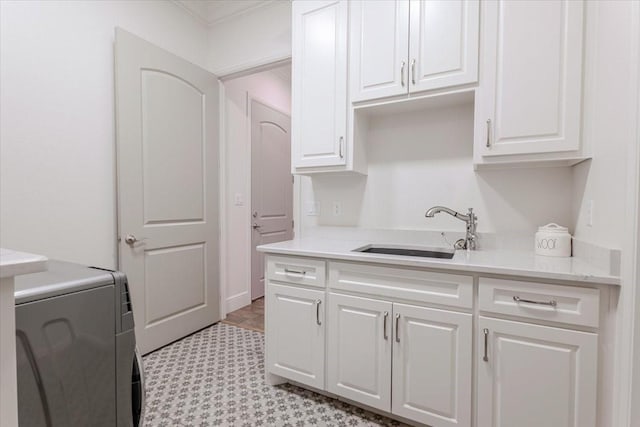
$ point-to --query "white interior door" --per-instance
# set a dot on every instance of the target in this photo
(271, 185)
(167, 156)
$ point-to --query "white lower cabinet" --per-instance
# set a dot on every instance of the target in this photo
(432, 365)
(359, 350)
(532, 376)
(295, 334)
(429, 375)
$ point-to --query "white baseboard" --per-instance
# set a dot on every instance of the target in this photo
(238, 301)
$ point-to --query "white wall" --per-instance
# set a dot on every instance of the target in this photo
(273, 90)
(57, 170)
(255, 38)
(425, 158)
(608, 119)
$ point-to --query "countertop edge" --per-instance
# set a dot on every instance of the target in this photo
(436, 265)
(14, 263)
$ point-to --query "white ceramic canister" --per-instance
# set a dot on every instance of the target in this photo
(553, 240)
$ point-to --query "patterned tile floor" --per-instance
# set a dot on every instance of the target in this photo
(215, 377)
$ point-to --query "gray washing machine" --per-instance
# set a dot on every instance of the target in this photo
(76, 349)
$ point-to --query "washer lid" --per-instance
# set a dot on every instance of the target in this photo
(61, 278)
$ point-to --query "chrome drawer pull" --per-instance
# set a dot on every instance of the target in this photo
(551, 303)
(287, 271)
(485, 331)
(318, 302)
(384, 325)
(397, 327)
(402, 74)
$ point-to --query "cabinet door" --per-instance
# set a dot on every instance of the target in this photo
(379, 40)
(319, 83)
(443, 47)
(359, 350)
(535, 375)
(432, 366)
(529, 97)
(295, 334)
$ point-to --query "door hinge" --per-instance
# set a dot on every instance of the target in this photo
(292, 224)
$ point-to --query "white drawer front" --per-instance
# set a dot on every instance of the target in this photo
(298, 270)
(566, 304)
(420, 286)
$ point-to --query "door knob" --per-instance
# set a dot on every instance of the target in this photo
(255, 226)
(130, 239)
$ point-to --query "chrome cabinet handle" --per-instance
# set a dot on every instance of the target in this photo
(551, 303)
(384, 325)
(397, 327)
(340, 148)
(402, 74)
(485, 331)
(287, 271)
(488, 133)
(413, 71)
(318, 302)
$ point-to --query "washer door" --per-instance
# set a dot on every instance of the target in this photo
(138, 393)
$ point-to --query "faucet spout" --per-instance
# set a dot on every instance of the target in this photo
(471, 220)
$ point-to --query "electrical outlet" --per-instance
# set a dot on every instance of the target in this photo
(589, 213)
(337, 209)
(312, 208)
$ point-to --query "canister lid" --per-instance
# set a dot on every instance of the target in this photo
(553, 228)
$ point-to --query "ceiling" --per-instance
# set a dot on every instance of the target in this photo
(212, 11)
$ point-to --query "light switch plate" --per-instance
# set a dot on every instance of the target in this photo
(238, 199)
(312, 208)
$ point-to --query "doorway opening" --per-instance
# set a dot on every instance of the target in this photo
(259, 185)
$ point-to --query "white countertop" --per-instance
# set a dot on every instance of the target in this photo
(494, 261)
(14, 263)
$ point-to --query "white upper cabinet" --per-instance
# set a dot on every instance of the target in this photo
(443, 46)
(379, 41)
(319, 84)
(530, 92)
(401, 47)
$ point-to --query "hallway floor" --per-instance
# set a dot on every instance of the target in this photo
(249, 317)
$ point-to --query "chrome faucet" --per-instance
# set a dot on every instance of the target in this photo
(469, 242)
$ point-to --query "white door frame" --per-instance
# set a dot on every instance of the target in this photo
(269, 64)
(627, 380)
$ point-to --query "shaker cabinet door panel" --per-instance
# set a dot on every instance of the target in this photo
(432, 365)
(535, 375)
(295, 334)
(530, 92)
(379, 41)
(319, 83)
(359, 350)
(443, 47)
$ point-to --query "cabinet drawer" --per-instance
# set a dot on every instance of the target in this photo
(420, 286)
(566, 304)
(302, 271)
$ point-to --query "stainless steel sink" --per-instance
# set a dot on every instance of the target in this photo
(405, 250)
